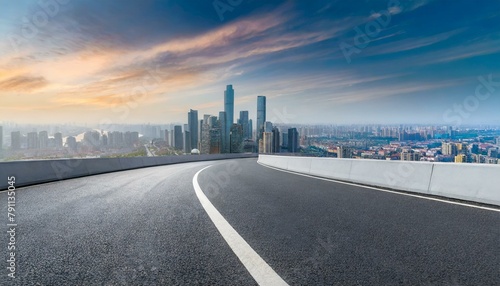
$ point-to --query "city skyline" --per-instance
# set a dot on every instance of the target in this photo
(87, 63)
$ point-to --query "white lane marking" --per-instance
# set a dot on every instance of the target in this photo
(382, 190)
(258, 268)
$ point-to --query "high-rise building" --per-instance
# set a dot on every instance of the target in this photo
(410, 155)
(293, 140)
(261, 115)
(33, 140)
(498, 141)
(250, 129)
(244, 121)
(267, 143)
(179, 142)
(166, 138)
(15, 140)
(58, 140)
(461, 158)
(268, 126)
(224, 148)
(43, 138)
(276, 148)
(229, 119)
(205, 135)
(284, 140)
(236, 138)
(449, 149)
(71, 143)
(344, 152)
(493, 152)
(193, 128)
(187, 142)
(474, 149)
(215, 141)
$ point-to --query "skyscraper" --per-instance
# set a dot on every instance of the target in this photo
(178, 142)
(236, 138)
(15, 140)
(43, 138)
(33, 140)
(250, 129)
(243, 121)
(229, 110)
(58, 140)
(261, 115)
(276, 140)
(193, 128)
(224, 146)
(267, 142)
(293, 140)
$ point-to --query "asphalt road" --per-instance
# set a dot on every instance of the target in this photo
(148, 227)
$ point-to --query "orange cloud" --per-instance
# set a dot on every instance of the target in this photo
(23, 84)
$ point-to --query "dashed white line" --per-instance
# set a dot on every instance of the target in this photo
(258, 268)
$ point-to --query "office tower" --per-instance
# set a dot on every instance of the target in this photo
(409, 155)
(449, 149)
(268, 127)
(205, 135)
(267, 142)
(33, 140)
(187, 142)
(215, 141)
(43, 138)
(166, 138)
(261, 115)
(178, 140)
(15, 140)
(244, 121)
(224, 148)
(284, 140)
(344, 152)
(474, 149)
(236, 138)
(71, 143)
(276, 141)
(293, 140)
(229, 110)
(58, 140)
(250, 129)
(193, 128)
(1, 137)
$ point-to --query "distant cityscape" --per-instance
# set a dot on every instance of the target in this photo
(214, 134)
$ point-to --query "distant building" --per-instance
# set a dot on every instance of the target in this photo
(493, 152)
(261, 115)
(250, 129)
(410, 155)
(498, 141)
(460, 158)
(244, 122)
(224, 148)
(15, 140)
(1, 137)
(474, 149)
(187, 142)
(267, 142)
(33, 140)
(268, 126)
(293, 140)
(215, 141)
(179, 142)
(193, 127)
(43, 139)
(71, 143)
(449, 149)
(284, 140)
(58, 140)
(229, 118)
(236, 138)
(276, 148)
(344, 152)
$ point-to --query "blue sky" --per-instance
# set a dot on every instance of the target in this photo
(317, 62)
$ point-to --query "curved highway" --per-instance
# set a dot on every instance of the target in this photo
(152, 227)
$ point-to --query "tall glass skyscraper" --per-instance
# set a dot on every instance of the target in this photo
(261, 115)
(193, 128)
(229, 111)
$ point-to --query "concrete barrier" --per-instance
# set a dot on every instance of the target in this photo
(470, 182)
(43, 171)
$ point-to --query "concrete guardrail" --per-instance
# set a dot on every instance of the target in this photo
(470, 182)
(44, 171)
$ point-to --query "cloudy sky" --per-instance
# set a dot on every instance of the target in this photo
(420, 61)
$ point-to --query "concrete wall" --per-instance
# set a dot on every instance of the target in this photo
(471, 182)
(43, 171)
